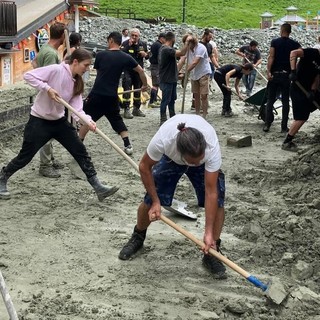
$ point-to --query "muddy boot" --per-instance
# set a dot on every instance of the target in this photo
(163, 119)
(137, 112)
(133, 245)
(127, 114)
(101, 190)
(214, 265)
(4, 193)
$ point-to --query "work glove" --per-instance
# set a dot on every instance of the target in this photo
(293, 75)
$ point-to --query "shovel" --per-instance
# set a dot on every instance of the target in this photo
(301, 87)
(233, 91)
(276, 292)
(179, 206)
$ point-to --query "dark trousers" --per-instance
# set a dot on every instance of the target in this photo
(279, 83)
(169, 96)
(131, 79)
(38, 132)
(221, 80)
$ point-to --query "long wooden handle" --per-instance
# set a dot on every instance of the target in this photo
(129, 91)
(66, 37)
(262, 76)
(7, 299)
(98, 131)
(233, 91)
(185, 81)
(300, 86)
(200, 244)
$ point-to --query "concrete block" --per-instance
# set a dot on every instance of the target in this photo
(239, 141)
(301, 270)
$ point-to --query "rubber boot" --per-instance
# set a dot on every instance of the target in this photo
(101, 190)
(4, 193)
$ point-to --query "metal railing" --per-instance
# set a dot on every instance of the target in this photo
(118, 13)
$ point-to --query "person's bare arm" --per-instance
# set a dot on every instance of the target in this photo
(211, 208)
(228, 76)
(270, 62)
(193, 64)
(294, 55)
(145, 169)
(181, 62)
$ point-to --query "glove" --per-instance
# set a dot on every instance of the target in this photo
(293, 75)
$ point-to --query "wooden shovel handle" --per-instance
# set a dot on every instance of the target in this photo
(201, 244)
(99, 132)
(66, 37)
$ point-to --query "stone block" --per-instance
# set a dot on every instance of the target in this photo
(239, 141)
(301, 270)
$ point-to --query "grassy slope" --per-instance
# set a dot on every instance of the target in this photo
(225, 14)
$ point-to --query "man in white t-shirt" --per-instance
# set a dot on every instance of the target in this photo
(184, 144)
(200, 71)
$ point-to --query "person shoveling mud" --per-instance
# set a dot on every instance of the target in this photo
(47, 120)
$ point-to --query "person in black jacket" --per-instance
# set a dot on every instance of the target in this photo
(222, 77)
(154, 68)
(304, 90)
(278, 70)
(137, 49)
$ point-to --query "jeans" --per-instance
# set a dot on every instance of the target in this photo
(169, 96)
(166, 174)
(279, 82)
(248, 81)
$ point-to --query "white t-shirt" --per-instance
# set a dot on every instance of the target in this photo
(164, 141)
(203, 67)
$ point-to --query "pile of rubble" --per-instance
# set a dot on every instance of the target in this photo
(96, 30)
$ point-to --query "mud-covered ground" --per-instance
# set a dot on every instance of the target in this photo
(59, 244)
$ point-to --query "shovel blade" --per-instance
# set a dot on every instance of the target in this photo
(179, 207)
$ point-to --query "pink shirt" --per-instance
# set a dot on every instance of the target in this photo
(59, 78)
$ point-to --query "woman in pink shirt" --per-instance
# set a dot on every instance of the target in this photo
(47, 119)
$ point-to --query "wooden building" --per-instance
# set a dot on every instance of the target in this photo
(26, 27)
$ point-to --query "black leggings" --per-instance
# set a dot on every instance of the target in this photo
(38, 132)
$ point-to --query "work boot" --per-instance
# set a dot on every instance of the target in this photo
(228, 114)
(133, 245)
(214, 265)
(155, 104)
(57, 164)
(4, 193)
(289, 146)
(284, 130)
(49, 172)
(127, 114)
(137, 112)
(128, 150)
(163, 119)
(101, 190)
(266, 127)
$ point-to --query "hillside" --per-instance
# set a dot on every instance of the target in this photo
(226, 14)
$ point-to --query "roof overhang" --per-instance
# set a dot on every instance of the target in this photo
(36, 24)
